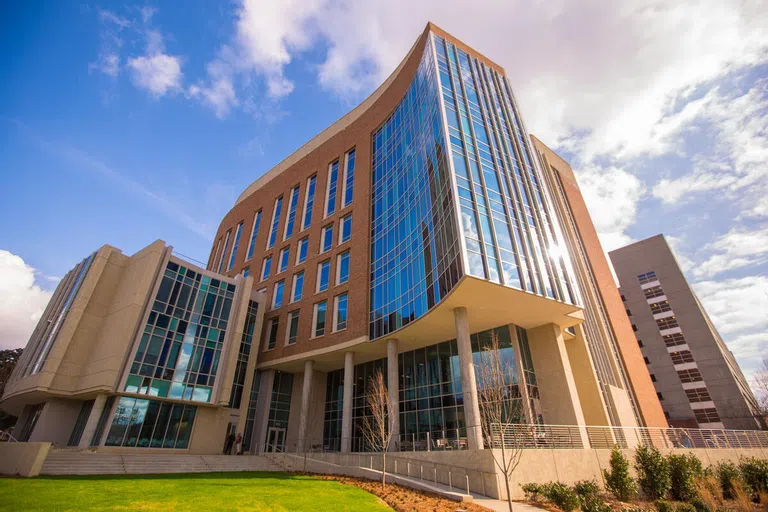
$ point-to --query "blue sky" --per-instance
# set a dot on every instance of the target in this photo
(123, 123)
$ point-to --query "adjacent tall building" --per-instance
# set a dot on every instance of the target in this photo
(402, 238)
(696, 377)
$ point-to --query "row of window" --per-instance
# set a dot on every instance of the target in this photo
(321, 285)
(653, 291)
(669, 322)
(319, 321)
(228, 254)
(647, 277)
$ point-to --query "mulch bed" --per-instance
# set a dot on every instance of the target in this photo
(404, 499)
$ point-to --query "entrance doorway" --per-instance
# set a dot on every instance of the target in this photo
(275, 440)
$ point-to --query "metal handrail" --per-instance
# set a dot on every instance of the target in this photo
(7, 437)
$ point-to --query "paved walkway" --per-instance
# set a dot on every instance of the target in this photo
(503, 506)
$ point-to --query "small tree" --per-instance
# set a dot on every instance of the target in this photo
(761, 390)
(652, 472)
(499, 407)
(618, 480)
(378, 427)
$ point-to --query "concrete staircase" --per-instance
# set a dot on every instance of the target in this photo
(77, 462)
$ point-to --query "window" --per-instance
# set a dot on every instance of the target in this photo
(272, 327)
(623, 299)
(224, 252)
(254, 234)
(326, 238)
(342, 268)
(283, 261)
(629, 313)
(647, 361)
(660, 396)
(349, 179)
(293, 328)
(330, 197)
(301, 250)
(265, 268)
(698, 395)
(292, 204)
(660, 307)
(345, 229)
(667, 323)
(275, 222)
(682, 357)
(309, 202)
(238, 232)
(653, 378)
(277, 296)
(647, 277)
(640, 343)
(672, 340)
(213, 257)
(246, 271)
(297, 288)
(323, 275)
(654, 291)
(691, 375)
(319, 318)
(706, 415)
(634, 327)
(340, 306)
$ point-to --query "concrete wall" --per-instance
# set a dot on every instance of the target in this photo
(56, 421)
(22, 459)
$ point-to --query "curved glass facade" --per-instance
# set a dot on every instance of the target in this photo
(415, 251)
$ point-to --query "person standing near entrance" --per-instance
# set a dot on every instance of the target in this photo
(239, 444)
(228, 444)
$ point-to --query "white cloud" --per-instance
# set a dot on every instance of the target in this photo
(158, 74)
(107, 63)
(736, 249)
(22, 302)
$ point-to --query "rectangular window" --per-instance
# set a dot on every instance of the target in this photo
(277, 296)
(309, 202)
(246, 271)
(345, 229)
(672, 340)
(224, 252)
(681, 357)
(254, 234)
(238, 232)
(691, 375)
(330, 196)
(292, 205)
(297, 288)
(266, 266)
(340, 318)
(654, 291)
(275, 222)
(272, 328)
(214, 255)
(706, 415)
(323, 275)
(698, 395)
(349, 179)
(326, 238)
(647, 277)
(319, 318)
(660, 307)
(342, 268)
(667, 323)
(301, 250)
(293, 327)
(285, 253)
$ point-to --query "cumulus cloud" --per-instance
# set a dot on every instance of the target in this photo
(22, 302)
(736, 249)
(158, 74)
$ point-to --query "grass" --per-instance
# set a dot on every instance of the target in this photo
(253, 491)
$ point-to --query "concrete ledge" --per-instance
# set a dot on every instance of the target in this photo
(23, 459)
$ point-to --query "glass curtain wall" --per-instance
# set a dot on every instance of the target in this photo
(507, 226)
(140, 423)
(250, 419)
(334, 401)
(415, 249)
(243, 355)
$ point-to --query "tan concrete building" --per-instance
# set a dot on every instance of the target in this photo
(696, 377)
(401, 239)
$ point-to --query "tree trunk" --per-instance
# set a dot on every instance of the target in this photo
(509, 495)
(384, 468)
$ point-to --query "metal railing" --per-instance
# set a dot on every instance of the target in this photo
(6, 437)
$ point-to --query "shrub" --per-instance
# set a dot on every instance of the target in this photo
(593, 503)
(683, 471)
(618, 480)
(586, 488)
(741, 496)
(755, 474)
(685, 507)
(709, 494)
(561, 495)
(531, 491)
(727, 474)
(652, 472)
(664, 506)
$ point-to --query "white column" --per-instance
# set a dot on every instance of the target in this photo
(393, 387)
(93, 422)
(468, 383)
(306, 393)
(346, 412)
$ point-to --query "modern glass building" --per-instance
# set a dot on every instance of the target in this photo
(404, 238)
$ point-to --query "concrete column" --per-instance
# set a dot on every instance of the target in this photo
(393, 387)
(93, 421)
(262, 411)
(346, 412)
(306, 394)
(468, 382)
(585, 377)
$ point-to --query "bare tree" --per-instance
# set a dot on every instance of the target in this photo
(500, 405)
(378, 427)
(761, 388)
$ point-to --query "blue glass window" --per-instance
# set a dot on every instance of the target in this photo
(275, 222)
(277, 297)
(266, 266)
(293, 327)
(272, 327)
(254, 234)
(326, 238)
(345, 230)
(333, 179)
(309, 202)
(323, 275)
(285, 254)
(292, 205)
(224, 252)
(349, 178)
(301, 250)
(233, 255)
(340, 321)
(320, 312)
(342, 268)
(246, 271)
(298, 287)
(140, 423)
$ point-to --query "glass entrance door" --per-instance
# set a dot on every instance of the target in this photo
(276, 440)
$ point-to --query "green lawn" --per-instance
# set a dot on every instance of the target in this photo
(198, 492)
